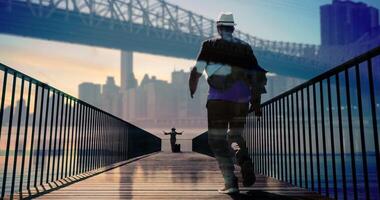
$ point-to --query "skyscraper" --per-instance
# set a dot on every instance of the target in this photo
(344, 22)
(127, 78)
(111, 97)
(90, 93)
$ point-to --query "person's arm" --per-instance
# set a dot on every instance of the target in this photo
(193, 81)
(165, 133)
(197, 70)
(257, 88)
(257, 84)
(180, 133)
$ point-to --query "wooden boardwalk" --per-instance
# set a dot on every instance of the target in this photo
(172, 176)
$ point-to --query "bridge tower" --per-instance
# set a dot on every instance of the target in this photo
(127, 78)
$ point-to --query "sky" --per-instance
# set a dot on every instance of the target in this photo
(65, 66)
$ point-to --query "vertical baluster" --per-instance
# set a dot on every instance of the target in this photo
(374, 122)
(362, 136)
(332, 138)
(60, 136)
(289, 140)
(25, 137)
(99, 145)
(304, 138)
(68, 136)
(341, 137)
(269, 130)
(56, 136)
(3, 93)
(257, 145)
(92, 140)
(5, 172)
(17, 136)
(294, 141)
(73, 134)
(281, 140)
(85, 141)
(316, 137)
(324, 137)
(79, 137)
(272, 122)
(277, 139)
(51, 136)
(351, 134)
(39, 134)
(82, 138)
(102, 138)
(266, 144)
(32, 136)
(299, 140)
(273, 119)
(266, 132)
(87, 136)
(95, 138)
(109, 139)
(65, 102)
(44, 138)
(285, 140)
(310, 139)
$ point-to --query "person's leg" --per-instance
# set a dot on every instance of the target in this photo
(238, 145)
(217, 112)
(172, 143)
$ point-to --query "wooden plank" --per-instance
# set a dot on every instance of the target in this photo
(173, 176)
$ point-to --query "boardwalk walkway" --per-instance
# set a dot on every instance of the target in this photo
(172, 176)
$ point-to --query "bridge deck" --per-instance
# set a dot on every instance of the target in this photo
(172, 176)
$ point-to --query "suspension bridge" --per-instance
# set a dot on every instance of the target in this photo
(148, 26)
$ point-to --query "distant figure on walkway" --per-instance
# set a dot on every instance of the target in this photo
(173, 134)
(236, 80)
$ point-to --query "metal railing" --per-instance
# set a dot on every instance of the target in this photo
(48, 135)
(200, 145)
(323, 134)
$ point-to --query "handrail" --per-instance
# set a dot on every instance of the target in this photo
(48, 135)
(333, 71)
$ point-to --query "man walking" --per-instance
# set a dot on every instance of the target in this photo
(236, 80)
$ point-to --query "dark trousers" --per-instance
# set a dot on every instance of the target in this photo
(224, 116)
(172, 143)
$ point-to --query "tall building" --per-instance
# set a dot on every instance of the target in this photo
(344, 22)
(111, 98)
(127, 78)
(90, 93)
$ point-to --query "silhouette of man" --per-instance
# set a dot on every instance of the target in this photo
(173, 134)
(236, 80)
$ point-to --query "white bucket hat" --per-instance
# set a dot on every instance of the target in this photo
(225, 19)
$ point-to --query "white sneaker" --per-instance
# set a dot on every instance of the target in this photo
(230, 190)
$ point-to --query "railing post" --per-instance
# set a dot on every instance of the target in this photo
(350, 131)
(362, 137)
(25, 137)
(5, 173)
(344, 183)
(332, 138)
(17, 135)
(374, 121)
